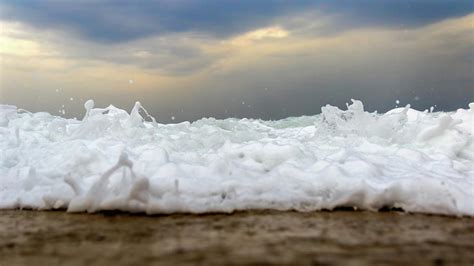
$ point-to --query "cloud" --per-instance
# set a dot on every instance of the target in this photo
(305, 59)
(125, 20)
(117, 21)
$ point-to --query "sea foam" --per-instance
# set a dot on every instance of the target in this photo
(115, 160)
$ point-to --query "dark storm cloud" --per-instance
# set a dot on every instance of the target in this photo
(119, 21)
(403, 12)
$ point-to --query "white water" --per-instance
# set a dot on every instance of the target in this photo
(113, 160)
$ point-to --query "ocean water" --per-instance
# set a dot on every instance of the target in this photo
(118, 160)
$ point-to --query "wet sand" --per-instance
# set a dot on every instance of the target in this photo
(249, 238)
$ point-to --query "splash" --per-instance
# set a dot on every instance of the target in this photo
(116, 160)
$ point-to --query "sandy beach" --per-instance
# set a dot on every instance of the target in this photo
(242, 238)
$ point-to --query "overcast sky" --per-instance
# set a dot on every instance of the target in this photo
(259, 59)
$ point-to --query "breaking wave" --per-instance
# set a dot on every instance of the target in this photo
(115, 160)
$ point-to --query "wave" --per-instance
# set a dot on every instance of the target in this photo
(116, 160)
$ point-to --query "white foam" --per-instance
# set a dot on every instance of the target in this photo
(115, 160)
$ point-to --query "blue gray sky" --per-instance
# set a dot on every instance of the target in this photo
(262, 59)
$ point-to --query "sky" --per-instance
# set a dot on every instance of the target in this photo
(184, 60)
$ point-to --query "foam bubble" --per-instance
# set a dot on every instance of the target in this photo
(119, 160)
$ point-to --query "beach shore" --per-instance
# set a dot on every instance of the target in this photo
(251, 237)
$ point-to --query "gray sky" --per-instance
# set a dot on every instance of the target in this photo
(260, 59)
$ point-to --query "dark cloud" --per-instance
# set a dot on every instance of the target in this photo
(125, 20)
(400, 13)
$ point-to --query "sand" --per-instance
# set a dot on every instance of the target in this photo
(250, 238)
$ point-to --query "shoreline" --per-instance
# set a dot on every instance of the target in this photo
(247, 237)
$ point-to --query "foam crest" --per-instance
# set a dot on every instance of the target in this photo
(118, 160)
